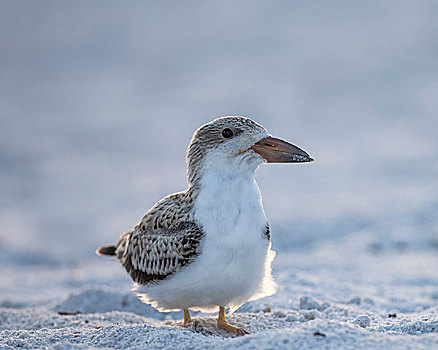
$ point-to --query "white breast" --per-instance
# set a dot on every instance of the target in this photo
(235, 261)
(229, 208)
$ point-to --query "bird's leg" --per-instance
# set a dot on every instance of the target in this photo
(223, 324)
(187, 318)
(193, 323)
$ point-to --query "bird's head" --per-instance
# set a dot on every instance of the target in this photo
(230, 145)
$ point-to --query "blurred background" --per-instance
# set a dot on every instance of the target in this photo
(99, 100)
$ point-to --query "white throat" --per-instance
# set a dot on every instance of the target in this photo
(229, 207)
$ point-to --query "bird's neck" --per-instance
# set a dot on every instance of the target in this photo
(226, 200)
(221, 167)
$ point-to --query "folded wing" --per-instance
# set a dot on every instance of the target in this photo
(153, 256)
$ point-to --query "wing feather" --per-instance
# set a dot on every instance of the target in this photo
(156, 256)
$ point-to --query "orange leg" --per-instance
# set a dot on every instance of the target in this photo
(187, 319)
(223, 324)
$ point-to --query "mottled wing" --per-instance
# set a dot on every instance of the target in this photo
(149, 257)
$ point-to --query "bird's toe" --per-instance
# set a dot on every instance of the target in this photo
(231, 329)
(241, 331)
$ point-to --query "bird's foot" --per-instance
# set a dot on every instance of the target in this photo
(222, 324)
(187, 323)
(192, 323)
(187, 319)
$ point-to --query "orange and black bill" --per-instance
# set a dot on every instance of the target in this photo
(278, 151)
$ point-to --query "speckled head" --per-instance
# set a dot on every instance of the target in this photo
(234, 144)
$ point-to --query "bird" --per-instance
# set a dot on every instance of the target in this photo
(209, 246)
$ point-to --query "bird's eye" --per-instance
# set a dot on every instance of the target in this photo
(227, 133)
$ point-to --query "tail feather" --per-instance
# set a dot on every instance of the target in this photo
(108, 250)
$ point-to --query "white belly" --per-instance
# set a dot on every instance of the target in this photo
(235, 261)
